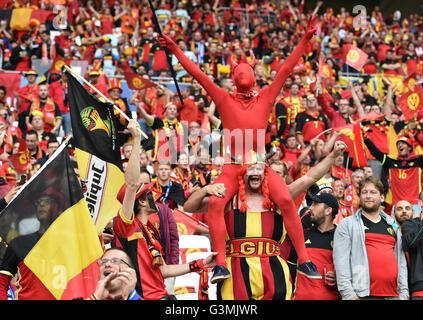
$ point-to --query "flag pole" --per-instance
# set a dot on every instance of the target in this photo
(172, 71)
(50, 159)
(323, 132)
(103, 96)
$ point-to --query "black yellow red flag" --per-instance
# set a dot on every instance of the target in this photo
(51, 235)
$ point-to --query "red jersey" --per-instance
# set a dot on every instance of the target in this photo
(106, 24)
(291, 156)
(58, 92)
(405, 184)
(380, 244)
(129, 236)
(310, 124)
(319, 248)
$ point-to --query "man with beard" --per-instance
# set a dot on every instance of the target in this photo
(253, 238)
(403, 210)
(319, 242)
(244, 115)
(140, 238)
(367, 250)
(403, 173)
(49, 108)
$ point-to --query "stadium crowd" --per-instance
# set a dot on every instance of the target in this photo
(321, 103)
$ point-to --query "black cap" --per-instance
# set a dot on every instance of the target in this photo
(327, 199)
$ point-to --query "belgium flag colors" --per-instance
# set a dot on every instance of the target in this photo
(52, 235)
(97, 151)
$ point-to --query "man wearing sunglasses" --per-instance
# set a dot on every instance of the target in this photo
(135, 234)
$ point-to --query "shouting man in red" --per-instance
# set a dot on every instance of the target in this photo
(244, 117)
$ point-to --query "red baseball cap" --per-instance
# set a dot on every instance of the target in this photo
(142, 188)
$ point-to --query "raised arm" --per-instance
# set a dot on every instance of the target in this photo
(132, 172)
(213, 119)
(198, 201)
(379, 155)
(273, 90)
(387, 105)
(356, 99)
(148, 117)
(297, 187)
(212, 89)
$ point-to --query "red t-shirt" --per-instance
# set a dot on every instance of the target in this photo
(383, 266)
(129, 236)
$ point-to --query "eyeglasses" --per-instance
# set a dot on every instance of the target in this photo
(40, 201)
(103, 261)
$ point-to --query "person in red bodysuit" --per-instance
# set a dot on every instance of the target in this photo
(245, 115)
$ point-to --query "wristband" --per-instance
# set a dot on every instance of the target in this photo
(196, 265)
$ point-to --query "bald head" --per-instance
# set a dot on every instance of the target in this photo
(403, 210)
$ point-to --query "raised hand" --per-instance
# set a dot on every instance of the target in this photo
(134, 128)
(339, 148)
(311, 26)
(216, 189)
(166, 42)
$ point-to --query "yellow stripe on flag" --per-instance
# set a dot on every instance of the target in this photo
(68, 246)
(20, 19)
(104, 182)
(392, 141)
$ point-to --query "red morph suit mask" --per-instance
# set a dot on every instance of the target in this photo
(244, 78)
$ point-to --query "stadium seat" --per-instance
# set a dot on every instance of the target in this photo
(192, 243)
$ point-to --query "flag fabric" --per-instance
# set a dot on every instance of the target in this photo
(135, 81)
(12, 82)
(409, 82)
(205, 124)
(50, 231)
(97, 152)
(376, 82)
(411, 102)
(359, 158)
(21, 161)
(324, 70)
(372, 116)
(356, 58)
(381, 51)
(351, 135)
(58, 63)
(186, 224)
(19, 21)
(41, 16)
